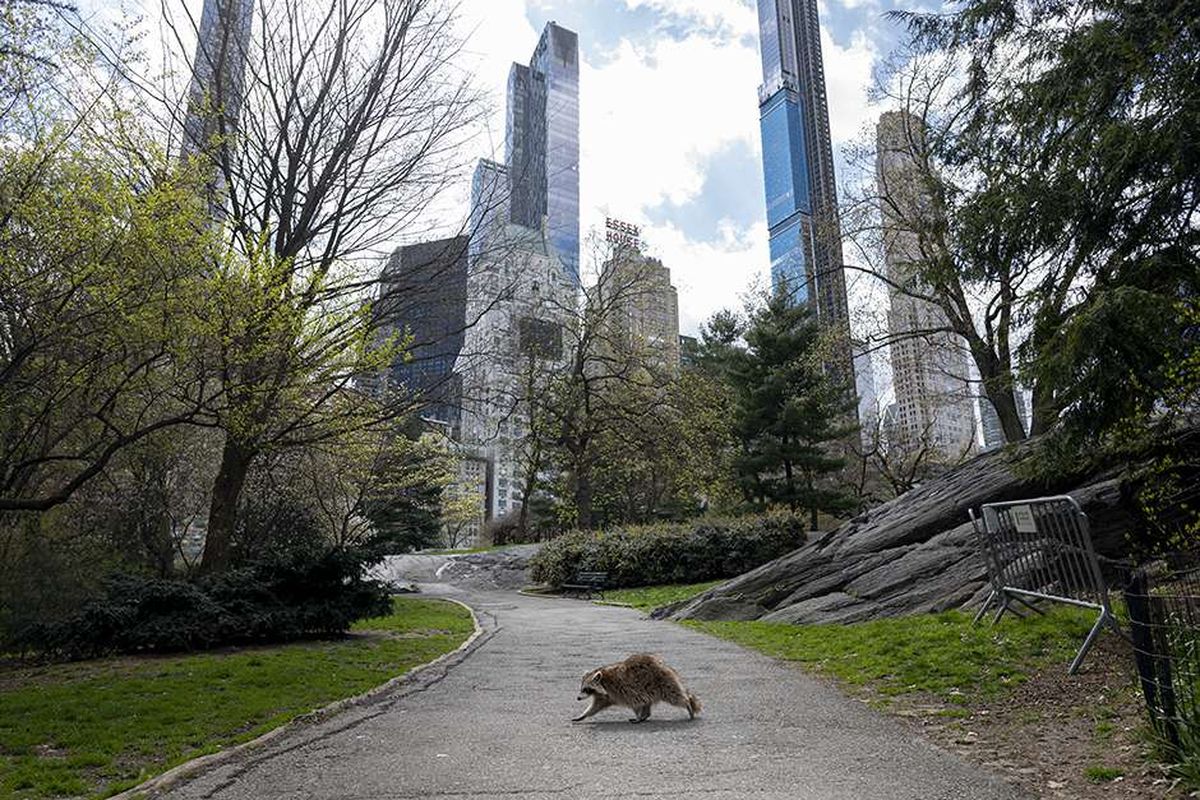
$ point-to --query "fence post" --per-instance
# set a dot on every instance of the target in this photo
(1153, 667)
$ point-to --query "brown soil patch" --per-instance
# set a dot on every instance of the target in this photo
(1048, 732)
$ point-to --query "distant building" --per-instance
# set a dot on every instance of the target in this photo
(522, 265)
(218, 77)
(423, 307)
(989, 420)
(801, 194)
(929, 364)
(646, 302)
(542, 143)
(520, 300)
(868, 399)
(689, 351)
(489, 204)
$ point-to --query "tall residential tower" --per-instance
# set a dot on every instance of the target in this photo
(930, 364)
(218, 72)
(806, 240)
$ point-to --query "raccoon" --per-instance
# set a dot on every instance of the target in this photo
(638, 682)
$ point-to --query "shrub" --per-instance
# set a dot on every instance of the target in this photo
(670, 553)
(268, 601)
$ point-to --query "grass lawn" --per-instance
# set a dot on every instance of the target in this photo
(941, 654)
(649, 598)
(95, 728)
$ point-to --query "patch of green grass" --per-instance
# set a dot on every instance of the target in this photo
(649, 598)
(95, 728)
(941, 654)
(1100, 774)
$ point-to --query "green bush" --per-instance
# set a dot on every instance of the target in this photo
(670, 553)
(273, 600)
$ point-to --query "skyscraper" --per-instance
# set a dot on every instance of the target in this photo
(541, 143)
(423, 301)
(646, 304)
(218, 72)
(805, 237)
(930, 367)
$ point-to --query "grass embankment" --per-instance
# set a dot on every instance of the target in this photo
(95, 728)
(648, 598)
(942, 654)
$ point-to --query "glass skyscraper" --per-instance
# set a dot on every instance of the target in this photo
(805, 237)
(542, 143)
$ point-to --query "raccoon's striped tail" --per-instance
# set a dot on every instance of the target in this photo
(693, 704)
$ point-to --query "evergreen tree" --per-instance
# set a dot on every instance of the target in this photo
(789, 413)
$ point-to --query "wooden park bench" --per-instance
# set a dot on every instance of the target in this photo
(587, 583)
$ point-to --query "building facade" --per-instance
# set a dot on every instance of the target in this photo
(541, 144)
(989, 420)
(801, 195)
(218, 72)
(930, 365)
(489, 203)
(645, 304)
(520, 301)
(422, 306)
(868, 397)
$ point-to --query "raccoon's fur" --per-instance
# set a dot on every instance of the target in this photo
(637, 683)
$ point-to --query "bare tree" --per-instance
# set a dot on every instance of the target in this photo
(350, 128)
(615, 377)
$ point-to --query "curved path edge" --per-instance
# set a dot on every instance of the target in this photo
(417, 678)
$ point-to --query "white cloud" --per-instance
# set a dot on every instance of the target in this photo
(652, 116)
(736, 16)
(496, 33)
(710, 276)
(847, 80)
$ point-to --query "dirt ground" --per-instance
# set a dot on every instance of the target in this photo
(1063, 737)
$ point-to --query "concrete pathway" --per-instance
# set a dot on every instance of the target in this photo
(496, 725)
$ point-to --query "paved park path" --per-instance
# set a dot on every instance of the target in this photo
(496, 725)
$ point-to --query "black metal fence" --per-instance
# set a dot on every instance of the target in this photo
(1163, 603)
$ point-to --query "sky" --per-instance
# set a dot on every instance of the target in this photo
(669, 119)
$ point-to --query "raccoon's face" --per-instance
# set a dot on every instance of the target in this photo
(591, 686)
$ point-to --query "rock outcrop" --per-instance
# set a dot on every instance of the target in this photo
(917, 553)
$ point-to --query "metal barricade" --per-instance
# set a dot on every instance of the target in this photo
(1041, 549)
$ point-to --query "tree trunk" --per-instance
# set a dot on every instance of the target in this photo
(1044, 413)
(583, 500)
(222, 514)
(812, 519)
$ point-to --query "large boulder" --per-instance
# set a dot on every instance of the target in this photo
(916, 553)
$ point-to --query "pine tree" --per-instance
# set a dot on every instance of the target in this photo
(790, 415)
